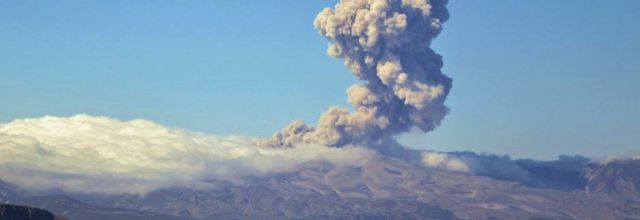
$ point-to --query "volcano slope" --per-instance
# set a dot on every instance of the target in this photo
(381, 188)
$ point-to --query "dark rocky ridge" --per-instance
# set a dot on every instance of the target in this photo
(15, 212)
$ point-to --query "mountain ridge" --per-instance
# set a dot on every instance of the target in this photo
(381, 188)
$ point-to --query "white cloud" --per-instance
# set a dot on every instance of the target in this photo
(443, 161)
(87, 154)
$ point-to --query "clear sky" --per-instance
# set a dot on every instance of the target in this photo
(531, 79)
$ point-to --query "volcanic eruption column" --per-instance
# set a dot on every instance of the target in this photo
(386, 44)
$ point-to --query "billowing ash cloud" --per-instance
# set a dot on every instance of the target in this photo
(385, 43)
(85, 154)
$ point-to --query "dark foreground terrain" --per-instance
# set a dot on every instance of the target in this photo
(383, 188)
(14, 212)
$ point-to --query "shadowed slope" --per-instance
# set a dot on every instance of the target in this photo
(14, 212)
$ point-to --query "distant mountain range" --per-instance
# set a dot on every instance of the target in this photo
(383, 188)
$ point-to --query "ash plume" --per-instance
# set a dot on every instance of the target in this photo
(386, 44)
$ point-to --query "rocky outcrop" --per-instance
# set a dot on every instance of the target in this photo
(14, 212)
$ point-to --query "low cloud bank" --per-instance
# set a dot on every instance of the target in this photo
(565, 173)
(86, 154)
(101, 155)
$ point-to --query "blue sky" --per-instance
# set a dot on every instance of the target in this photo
(531, 79)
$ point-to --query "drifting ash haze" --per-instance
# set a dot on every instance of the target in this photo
(348, 166)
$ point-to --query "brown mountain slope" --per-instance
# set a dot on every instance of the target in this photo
(384, 187)
(381, 188)
(619, 178)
